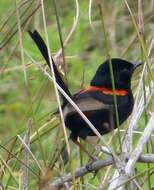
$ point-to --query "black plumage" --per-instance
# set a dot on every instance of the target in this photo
(96, 102)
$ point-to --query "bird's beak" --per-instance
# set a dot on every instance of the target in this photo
(137, 64)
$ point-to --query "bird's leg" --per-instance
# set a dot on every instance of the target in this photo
(98, 147)
(93, 144)
(85, 150)
(93, 158)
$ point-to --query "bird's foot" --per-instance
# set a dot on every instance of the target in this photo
(89, 166)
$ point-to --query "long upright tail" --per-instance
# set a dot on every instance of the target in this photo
(43, 49)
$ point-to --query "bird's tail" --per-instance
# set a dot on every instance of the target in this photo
(44, 51)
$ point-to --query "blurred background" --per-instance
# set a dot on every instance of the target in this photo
(27, 98)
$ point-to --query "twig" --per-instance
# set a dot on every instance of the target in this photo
(138, 110)
(26, 147)
(139, 148)
(54, 79)
(13, 29)
(59, 53)
(89, 14)
(78, 173)
(21, 42)
(24, 170)
(97, 165)
(121, 179)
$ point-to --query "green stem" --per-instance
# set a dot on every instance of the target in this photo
(111, 73)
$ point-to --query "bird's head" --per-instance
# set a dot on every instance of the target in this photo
(122, 71)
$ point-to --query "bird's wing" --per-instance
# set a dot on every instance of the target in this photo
(85, 104)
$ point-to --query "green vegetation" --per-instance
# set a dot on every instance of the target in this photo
(30, 98)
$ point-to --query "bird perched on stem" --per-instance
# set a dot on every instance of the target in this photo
(97, 101)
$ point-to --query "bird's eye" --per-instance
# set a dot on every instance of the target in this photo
(125, 71)
(125, 74)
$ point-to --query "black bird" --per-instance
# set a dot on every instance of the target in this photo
(97, 101)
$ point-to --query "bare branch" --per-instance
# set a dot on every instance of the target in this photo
(121, 179)
(79, 173)
(59, 53)
(24, 169)
(97, 165)
(139, 148)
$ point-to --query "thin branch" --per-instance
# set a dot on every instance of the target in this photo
(60, 36)
(97, 165)
(54, 79)
(9, 35)
(59, 53)
(20, 161)
(139, 107)
(78, 173)
(139, 148)
(26, 147)
(121, 179)
(24, 170)
(89, 14)
(138, 110)
(21, 42)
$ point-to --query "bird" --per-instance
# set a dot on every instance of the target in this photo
(97, 100)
